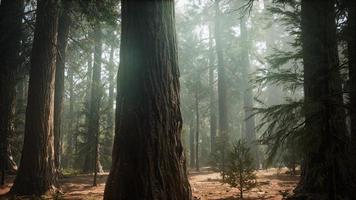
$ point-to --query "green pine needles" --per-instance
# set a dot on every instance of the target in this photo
(240, 168)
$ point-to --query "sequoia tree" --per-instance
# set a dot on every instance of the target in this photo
(324, 172)
(148, 158)
(36, 171)
(10, 37)
(351, 6)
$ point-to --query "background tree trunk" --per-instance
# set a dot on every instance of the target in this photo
(91, 163)
(222, 89)
(248, 93)
(213, 119)
(62, 40)
(36, 172)
(148, 159)
(197, 125)
(10, 34)
(71, 118)
(192, 144)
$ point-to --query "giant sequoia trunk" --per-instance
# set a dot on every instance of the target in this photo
(36, 171)
(248, 93)
(10, 36)
(63, 32)
(91, 163)
(222, 89)
(148, 159)
(351, 6)
(324, 174)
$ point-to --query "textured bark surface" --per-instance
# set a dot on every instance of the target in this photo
(10, 37)
(91, 162)
(36, 172)
(351, 6)
(64, 22)
(324, 174)
(148, 159)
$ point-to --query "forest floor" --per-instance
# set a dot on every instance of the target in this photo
(273, 184)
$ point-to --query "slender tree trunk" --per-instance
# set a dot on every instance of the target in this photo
(325, 116)
(62, 40)
(197, 127)
(248, 93)
(148, 157)
(110, 129)
(92, 163)
(111, 80)
(213, 120)
(36, 172)
(10, 34)
(71, 118)
(222, 89)
(192, 144)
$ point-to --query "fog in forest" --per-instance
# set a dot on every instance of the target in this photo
(178, 100)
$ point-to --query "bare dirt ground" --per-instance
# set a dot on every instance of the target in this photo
(273, 184)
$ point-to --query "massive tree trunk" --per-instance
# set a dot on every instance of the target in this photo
(351, 6)
(324, 172)
(222, 89)
(36, 172)
(248, 93)
(10, 34)
(148, 157)
(91, 163)
(213, 120)
(63, 33)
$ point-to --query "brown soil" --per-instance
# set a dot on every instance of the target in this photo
(273, 184)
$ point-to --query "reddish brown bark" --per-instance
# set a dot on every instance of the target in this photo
(148, 160)
(36, 172)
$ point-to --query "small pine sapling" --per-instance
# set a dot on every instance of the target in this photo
(240, 166)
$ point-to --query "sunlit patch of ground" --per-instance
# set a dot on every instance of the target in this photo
(272, 185)
(206, 185)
